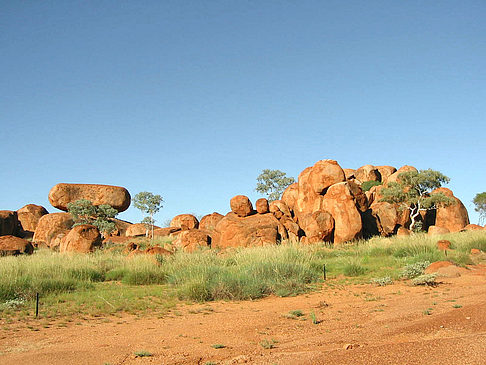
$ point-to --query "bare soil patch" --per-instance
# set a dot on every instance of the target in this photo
(356, 324)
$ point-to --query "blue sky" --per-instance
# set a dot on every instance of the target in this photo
(192, 99)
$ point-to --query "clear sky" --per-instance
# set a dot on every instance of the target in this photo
(192, 99)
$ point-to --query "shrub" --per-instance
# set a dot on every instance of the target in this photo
(426, 279)
(382, 281)
(354, 269)
(367, 185)
(414, 270)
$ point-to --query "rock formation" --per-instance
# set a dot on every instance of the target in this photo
(13, 246)
(51, 225)
(83, 239)
(63, 194)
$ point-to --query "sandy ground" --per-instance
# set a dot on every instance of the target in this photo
(358, 324)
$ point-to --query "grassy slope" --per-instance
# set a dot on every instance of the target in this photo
(107, 282)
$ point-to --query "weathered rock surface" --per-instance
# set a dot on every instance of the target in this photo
(435, 230)
(473, 227)
(241, 205)
(323, 174)
(385, 172)
(349, 174)
(402, 231)
(253, 230)
(209, 221)
(394, 177)
(9, 223)
(13, 246)
(185, 221)
(318, 227)
(386, 216)
(290, 195)
(262, 206)
(453, 217)
(367, 173)
(279, 209)
(193, 240)
(62, 194)
(139, 229)
(166, 231)
(49, 226)
(29, 216)
(347, 220)
(443, 245)
(83, 239)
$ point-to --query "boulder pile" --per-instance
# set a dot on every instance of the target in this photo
(327, 203)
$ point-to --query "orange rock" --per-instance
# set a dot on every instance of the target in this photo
(435, 230)
(347, 220)
(139, 229)
(318, 227)
(323, 174)
(443, 245)
(49, 226)
(293, 230)
(402, 231)
(193, 239)
(386, 217)
(185, 221)
(433, 267)
(358, 195)
(394, 177)
(385, 172)
(253, 230)
(453, 217)
(475, 251)
(121, 227)
(83, 239)
(29, 216)
(473, 227)
(262, 206)
(131, 246)
(445, 269)
(9, 223)
(241, 205)
(63, 194)
(367, 173)
(349, 173)
(209, 221)
(165, 232)
(156, 250)
(13, 246)
(290, 195)
(279, 209)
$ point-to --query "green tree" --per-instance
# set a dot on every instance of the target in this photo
(101, 216)
(150, 204)
(480, 203)
(413, 191)
(273, 183)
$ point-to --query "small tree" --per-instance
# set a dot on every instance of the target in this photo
(101, 216)
(273, 183)
(413, 191)
(148, 203)
(480, 203)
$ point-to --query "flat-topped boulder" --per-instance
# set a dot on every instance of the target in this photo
(116, 196)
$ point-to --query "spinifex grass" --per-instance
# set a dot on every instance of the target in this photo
(109, 282)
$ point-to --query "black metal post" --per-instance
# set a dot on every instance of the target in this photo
(324, 271)
(37, 305)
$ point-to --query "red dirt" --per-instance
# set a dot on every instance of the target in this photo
(360, 324)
